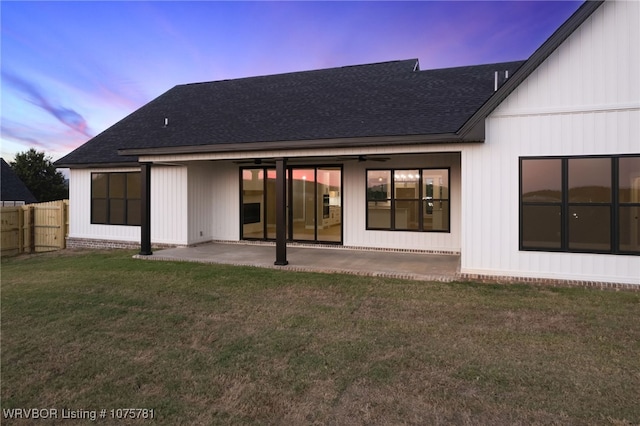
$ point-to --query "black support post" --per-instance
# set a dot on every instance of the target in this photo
(145, 200)
(281, 212)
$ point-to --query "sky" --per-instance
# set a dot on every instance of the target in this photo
(70, 70)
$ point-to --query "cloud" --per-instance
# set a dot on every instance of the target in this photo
(66, 116)
(10, 133)
(19, 137)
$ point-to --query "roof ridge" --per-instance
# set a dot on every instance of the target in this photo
(398, 61)
(474, 65)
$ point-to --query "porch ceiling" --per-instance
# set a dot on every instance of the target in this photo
(264, 159)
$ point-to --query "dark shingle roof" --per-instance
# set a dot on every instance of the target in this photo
(11, 187)
(384, 99)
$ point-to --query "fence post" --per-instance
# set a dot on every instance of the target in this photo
(60, 220)
(24, 229)
(64, 224)
(32, 228)
(20, 213)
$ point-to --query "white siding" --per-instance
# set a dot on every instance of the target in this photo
(200, 208)
(169, 192)
(80, 210)
(225, 187)
(585, 99)
(596, 69)
(168, 207)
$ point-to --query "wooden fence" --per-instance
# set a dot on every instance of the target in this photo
(34, 228)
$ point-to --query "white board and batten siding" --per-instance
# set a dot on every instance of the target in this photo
(80, 210)
(583, 100)
(217, 185)
(168, 207)
(200, 204)
(169, 201)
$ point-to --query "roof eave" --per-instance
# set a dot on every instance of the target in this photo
(301, 144)
(96, 165)
(471, 127)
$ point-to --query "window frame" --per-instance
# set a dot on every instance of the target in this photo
(421, 200)
(614, 206)
(108, 199)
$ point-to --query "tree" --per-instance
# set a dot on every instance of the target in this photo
(40, 175)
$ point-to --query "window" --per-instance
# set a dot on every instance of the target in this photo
(580, 204)
(115, 198)
(541, 196)
(628, 231)
(408, 200)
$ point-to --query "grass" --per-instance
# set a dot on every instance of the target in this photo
(211, 344)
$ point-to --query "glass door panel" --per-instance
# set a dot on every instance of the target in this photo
(407, 195)
(435, 196)
(302, 204)
(315, 204)
(253, 211)
(271, 204)
(329, 206)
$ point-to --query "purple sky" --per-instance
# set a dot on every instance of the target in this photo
(72, 69)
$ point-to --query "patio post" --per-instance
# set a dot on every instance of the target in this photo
(281, 212)
(145, 201)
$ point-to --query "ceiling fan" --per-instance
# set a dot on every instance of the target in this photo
(359, 158)
(363, 158)
(255, 161)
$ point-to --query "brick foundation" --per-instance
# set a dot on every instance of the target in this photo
(498, 279)
(336, 246)
(108, 244)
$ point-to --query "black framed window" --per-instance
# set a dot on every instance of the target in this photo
(541, 203)
(580, 204)
(115, 198)
(408, 200)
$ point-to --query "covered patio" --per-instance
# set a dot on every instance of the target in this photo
(325, 259)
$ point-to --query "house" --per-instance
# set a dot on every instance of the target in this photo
(13, 191)
(529, 170)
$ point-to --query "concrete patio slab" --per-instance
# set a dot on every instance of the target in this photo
(406, 265)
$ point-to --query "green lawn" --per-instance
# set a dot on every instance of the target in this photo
(211, 344)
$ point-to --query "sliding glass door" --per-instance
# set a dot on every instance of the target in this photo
(314, 200)
(315, 204)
